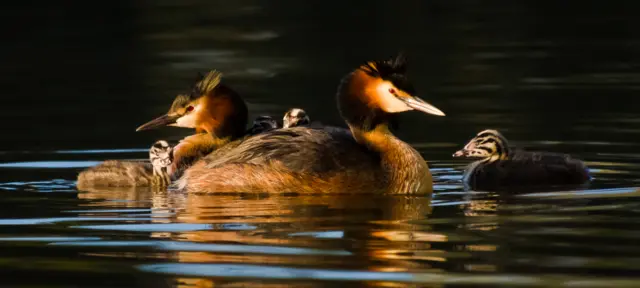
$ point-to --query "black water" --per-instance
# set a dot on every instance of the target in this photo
(79, 77)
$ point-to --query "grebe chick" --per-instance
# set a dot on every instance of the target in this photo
(161, 156)
(292, 118)
(366, 158)
(498, 165)
(215, 111)
(295, 117)
(262, 124)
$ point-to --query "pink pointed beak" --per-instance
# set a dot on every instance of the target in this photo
(460, 153)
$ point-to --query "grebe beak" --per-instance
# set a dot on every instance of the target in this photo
(163, 120)
(421, 105)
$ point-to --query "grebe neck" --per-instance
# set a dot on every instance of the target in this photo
(225, 115)
(403, 167)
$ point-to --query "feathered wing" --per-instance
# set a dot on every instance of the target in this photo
(301, 149)
(316, 160)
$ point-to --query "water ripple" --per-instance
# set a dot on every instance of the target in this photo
(160, 227)
(207, 247)
(50, 164)
(265, 272)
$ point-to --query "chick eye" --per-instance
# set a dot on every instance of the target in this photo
(392, 91)
(190, 108)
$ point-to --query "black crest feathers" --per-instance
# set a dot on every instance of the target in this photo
(208, 82)
(204, 84)
(393, 69)
(199, 77)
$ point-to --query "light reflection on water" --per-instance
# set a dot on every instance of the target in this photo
(289, 273)
(50, 164)
(455, 237)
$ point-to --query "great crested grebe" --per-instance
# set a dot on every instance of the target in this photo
(500, 166)
(218, 114)
(367, 157)
(215, 111)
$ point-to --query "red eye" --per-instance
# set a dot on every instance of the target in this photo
(392, 91)
(190, 108)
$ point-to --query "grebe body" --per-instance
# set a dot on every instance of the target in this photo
(498, 166)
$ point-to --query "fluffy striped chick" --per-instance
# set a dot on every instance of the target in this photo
(295, 117)
(161, 157)
(488, 146)
(498, 166)
(262, 124)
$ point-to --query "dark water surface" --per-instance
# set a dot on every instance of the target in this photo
(552, 75)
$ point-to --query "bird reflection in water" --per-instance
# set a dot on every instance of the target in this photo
(374, 231)
(327, 229)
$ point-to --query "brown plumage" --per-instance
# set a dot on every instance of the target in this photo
(215, 111)
(365, 158)
(116, 173)
(498, 166)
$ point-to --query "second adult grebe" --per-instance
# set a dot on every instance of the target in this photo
(365, 158)
(218, 114)
(215, 111)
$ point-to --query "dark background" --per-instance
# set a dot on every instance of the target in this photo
(85, 74)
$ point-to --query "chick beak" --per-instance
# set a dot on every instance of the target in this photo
(460, 153)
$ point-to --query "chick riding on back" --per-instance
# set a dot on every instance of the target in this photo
(292, 118)
(295, 117)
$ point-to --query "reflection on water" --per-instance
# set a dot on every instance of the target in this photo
(50, 164)
(584, 237)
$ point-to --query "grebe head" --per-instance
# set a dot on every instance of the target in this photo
(488, 145)
(376, 90)
(262, 124)
(161, 154)
(210, 106)
(295, 117)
